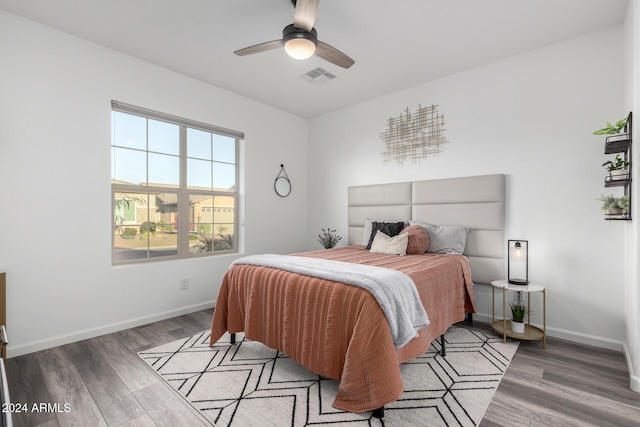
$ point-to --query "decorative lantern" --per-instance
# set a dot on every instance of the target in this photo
(518, 262)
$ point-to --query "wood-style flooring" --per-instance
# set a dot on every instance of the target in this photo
(105, 383)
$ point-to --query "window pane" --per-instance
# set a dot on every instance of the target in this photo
(161, 230)
(224, 148)
(212, 228)
(145, 225)
(164, 170)
(224, 176)
(199, 174)
(223, 223)
(198, 144)
(128, 166)
(201, 224)
(164, 137)
(126, 207)
(127, 240)
(129, 131)
(125, 211)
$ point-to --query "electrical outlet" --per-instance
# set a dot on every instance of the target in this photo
(184, 284)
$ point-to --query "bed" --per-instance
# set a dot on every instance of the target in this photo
(340, 331)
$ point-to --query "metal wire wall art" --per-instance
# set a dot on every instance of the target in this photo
(414, 136)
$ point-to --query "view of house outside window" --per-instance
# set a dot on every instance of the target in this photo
(174, 187)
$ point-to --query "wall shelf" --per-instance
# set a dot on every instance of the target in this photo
(611, 182)
(620, 144)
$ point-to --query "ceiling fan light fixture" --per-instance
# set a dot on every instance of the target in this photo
(299, 43)
(300, 48)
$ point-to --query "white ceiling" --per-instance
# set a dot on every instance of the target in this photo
(396, 44)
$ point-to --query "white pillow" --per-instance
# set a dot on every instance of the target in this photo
(368, 225)
(445, 239)
(384, 244)
(366, 235)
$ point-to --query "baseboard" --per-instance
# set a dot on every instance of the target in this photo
(572, 336)
(31, 347)
(634, 381)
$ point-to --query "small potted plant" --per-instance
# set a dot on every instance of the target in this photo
(617, 139)
(328, 239)
(614, 205)
(618, 168)
(519, 313)
(611, 129)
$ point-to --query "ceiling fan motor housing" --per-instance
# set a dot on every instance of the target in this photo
(292, 32)
(298, 42)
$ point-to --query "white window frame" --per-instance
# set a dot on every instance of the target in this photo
(183, 193)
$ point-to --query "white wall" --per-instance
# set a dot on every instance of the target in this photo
(530, 117)
(632, 233)
(55, 186)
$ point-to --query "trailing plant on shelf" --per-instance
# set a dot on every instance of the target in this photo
(328, 239)
(612, 129)
(617, 168)
(617, 164)
(614, 205)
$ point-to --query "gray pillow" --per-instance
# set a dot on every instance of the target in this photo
(445, 239)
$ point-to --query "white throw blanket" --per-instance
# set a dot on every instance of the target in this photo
(395, 291)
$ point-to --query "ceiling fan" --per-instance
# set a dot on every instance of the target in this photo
(300, 39)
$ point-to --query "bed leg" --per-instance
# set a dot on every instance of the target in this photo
(442, 344)
(470, 317)
(233, 338)
(378, 413)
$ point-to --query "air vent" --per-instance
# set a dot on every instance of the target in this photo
(318, 76)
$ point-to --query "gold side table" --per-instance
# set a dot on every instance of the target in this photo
(531, 333)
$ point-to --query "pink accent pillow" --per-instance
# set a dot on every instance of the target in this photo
(418, 239)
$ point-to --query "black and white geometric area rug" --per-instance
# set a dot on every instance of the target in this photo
(249, 384)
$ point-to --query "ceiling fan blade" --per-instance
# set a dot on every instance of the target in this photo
(333, 55)
(305, 14)
(262, 47)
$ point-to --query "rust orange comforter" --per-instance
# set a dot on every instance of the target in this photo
(338, 330)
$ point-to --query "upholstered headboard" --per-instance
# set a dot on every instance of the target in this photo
(476, 202)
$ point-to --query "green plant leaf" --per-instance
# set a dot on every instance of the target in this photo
(612, 129)
(621, 123)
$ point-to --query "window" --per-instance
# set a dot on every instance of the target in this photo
(173, 186)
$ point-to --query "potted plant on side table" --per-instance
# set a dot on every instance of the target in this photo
(519, 313)
(328, 239)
